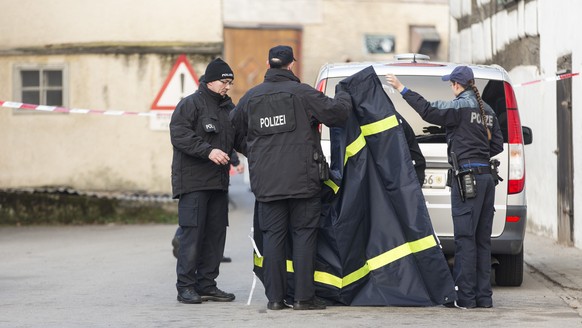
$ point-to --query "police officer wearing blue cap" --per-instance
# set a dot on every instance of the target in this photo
(473, 137)
(277, 129)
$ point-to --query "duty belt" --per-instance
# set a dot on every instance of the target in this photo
(481, 169)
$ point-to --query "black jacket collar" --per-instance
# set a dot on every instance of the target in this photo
(280, 75)
(220, 100)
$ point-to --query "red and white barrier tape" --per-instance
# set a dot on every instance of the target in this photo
(57, 109)
(548, 79)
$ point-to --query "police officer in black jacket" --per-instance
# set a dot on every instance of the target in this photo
(277, 129)
(473, 134)
(202, 137)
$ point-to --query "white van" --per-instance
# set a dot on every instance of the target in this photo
(423, 76)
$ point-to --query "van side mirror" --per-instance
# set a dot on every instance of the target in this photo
(527, 135)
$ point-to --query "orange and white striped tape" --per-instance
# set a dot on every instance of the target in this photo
(548, 79)
(58, 109)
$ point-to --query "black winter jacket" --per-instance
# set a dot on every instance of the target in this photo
(199, 124)
(276, 124)
(461, 118)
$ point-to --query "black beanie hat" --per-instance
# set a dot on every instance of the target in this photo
(218, 69)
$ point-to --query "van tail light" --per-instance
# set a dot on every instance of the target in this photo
(321, 85)
(516, 176)
(512, 219)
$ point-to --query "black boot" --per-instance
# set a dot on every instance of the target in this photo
(189, 296)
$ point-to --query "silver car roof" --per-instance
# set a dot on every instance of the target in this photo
(406, 67)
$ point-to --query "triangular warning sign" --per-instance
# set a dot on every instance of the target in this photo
(181, 82)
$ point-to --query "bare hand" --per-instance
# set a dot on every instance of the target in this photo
(219, 157)
(394, 82)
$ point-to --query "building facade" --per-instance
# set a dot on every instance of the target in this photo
(104, 55)
(117, 56)
(327, 31)
(536, 42)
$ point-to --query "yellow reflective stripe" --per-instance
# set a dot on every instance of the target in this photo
(355, 147)
(369, 129)
(379, 126)
(289, 266)
(356, 275)
(327, 278)
(401, 251)
(423, 244)
(372, 264)
(258, 260)
(332, 185)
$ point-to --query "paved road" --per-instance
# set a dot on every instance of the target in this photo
(123, 276)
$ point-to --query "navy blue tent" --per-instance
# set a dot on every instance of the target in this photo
(376, 243)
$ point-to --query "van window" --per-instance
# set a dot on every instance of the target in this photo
(433, 88)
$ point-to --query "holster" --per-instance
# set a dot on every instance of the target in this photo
(450, 175)
(323, 170)
(494, 164)
(322, 166)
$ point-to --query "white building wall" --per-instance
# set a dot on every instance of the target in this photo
(477, 42)
(531, 15)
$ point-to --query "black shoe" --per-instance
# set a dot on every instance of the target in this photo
(485, 305)
(226, 259)
(217, 295)
(189, 296)
(314, 304)
(276, 306)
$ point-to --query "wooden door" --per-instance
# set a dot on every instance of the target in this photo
(565, 158)
(246, 50)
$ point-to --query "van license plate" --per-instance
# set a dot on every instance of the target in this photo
(435, 179)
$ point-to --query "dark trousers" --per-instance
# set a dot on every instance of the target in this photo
(203, 217)
(472, 221)
(276, 218)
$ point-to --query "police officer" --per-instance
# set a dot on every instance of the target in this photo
(202, 137)
(277, 127)
(474, 136)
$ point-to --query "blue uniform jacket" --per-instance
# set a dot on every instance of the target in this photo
(465, 133)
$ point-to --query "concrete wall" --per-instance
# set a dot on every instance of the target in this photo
(553, 24)
(116, 55)
(340, 36)
(52, 22)
(91, 151)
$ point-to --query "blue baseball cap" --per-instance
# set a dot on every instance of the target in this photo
(283, 55)
(461, 74)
